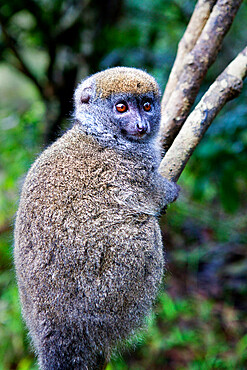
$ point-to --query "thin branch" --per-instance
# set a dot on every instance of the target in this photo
(195, 68)
(226, 87)
(193, 31)
(22, 66)
(7, 226)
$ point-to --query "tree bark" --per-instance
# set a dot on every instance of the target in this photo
(226, 87)
(193, 31)
(202, 52)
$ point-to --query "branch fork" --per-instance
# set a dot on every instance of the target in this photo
(180, 131)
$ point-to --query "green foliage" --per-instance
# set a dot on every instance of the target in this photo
(219, 163)
(186, 334)
(21, 132)
(19, 141)
(12, 334)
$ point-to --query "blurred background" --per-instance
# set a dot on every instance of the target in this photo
(46, 48)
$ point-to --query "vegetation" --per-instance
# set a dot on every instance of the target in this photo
(200, 320)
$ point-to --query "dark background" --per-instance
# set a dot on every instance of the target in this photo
(46, 48)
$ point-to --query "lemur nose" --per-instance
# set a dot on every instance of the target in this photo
(142, 127)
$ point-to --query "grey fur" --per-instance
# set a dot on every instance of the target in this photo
(88, 249)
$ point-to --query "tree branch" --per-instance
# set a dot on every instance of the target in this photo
(226, 87)
(195, 68)
(193, 31)
(10, 41)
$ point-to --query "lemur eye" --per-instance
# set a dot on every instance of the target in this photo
(147, 106)
(121, 107)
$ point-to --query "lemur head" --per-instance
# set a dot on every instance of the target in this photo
(121, 102)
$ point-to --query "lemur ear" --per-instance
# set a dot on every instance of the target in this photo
(86, 95)
(84, 92)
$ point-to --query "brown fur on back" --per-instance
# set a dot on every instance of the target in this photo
(88, 260)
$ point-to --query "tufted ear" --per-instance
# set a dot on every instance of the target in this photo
(84, 92)
(86, 95)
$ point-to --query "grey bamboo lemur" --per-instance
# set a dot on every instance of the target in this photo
(88, 249)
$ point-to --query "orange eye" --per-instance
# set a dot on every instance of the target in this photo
(121, 107)
(147, 106)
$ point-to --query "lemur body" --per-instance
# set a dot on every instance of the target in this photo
(88, 249)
